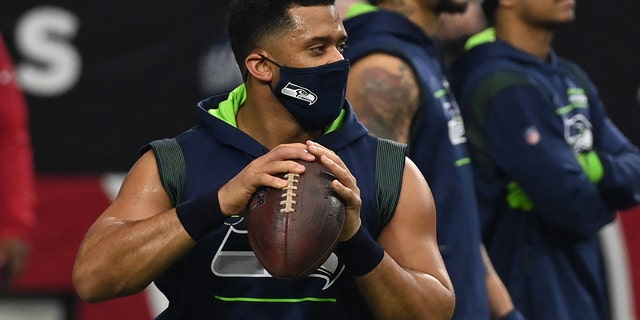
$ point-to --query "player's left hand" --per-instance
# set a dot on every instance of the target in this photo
(345, 186)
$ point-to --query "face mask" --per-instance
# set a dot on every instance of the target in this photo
(314, 96)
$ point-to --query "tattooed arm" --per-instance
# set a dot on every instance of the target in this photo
(384, 93)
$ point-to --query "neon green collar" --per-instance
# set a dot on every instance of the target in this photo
(486, 36)
(360, 8)
(228, 109)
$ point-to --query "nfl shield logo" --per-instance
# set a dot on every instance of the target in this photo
(532, 136)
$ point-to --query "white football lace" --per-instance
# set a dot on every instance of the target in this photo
(289, 193)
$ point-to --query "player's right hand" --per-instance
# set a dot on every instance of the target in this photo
(262, 171)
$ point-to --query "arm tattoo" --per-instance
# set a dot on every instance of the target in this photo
(387, 102)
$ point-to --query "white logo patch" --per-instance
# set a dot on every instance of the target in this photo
(301, 93)
(577, 133)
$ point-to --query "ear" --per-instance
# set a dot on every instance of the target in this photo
(258, 68)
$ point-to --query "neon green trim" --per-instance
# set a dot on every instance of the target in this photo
(568, 108)
(228, 110)
(440, 93)
(274, 300)
(486, 36)
(337, 122)
(360, 8)
(463, 161)
(517, 198)
(592, 166)
(564, 110)
(576, 91)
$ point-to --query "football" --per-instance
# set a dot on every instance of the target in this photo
(293, 230)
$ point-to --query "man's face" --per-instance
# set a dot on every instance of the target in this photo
(451, 6)
(456, 26)
(547, 14)
(318, 38)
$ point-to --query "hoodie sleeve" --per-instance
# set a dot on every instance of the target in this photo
(620, 185)
(525, 138)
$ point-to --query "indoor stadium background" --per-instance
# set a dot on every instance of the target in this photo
(102, 78)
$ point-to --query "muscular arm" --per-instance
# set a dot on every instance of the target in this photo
(411, 282)
(140, 235)
(500, 303)
(384, 94)
(133, 241)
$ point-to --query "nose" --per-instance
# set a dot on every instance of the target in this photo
(335, 55)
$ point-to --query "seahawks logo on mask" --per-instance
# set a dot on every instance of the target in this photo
(300, 93)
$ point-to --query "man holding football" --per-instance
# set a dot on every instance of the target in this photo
(193, 242)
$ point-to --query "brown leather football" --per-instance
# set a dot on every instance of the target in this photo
(294, 230)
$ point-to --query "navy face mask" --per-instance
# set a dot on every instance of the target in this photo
(314, 96)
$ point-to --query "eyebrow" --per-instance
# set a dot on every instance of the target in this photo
(325, 39)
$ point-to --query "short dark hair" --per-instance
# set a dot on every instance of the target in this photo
(489, 8)
(250, 21)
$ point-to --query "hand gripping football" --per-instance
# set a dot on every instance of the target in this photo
(294, 230)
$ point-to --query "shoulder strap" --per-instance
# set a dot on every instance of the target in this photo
(171, 166)
(389, 168)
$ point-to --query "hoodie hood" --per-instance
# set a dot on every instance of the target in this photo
(485, 54)
(217, 114)
(485, 49)
(379, 25)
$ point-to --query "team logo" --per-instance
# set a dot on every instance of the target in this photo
(258, 200)
(577, 133)
(457, 134)
(300, 93)
(241, 261)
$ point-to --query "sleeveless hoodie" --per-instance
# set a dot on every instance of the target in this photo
(438, 147)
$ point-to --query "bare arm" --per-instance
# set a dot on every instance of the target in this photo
(411, 281)
(384, 94)
(133, 241)
(500, 303)
(140, 235)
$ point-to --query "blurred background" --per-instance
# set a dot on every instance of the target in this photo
(103, 78)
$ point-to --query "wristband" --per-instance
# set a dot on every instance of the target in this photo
(200, 215)
(361, 253)
(513, 315)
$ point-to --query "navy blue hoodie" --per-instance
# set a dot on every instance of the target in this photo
(221, 278)
(529, 122)
(437, 146)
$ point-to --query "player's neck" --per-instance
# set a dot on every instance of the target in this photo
(266, 120)
(426, 19)
(533, 40)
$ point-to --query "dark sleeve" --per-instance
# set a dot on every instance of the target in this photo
(525, 138)
(620, 185)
